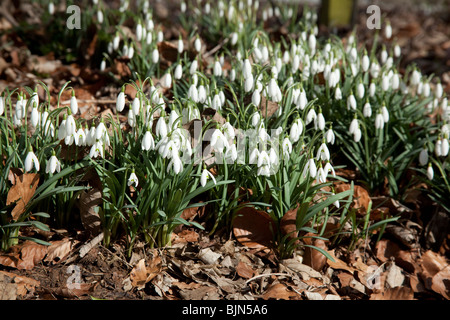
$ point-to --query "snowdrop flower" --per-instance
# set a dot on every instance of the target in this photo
(120, 102)
(167, 80)
(71, 125)
(445, 146)
(310, 116)
(178, 71)
(256, 98)
(197, 44)
(329, 168)
(372, 89)
(430, 172)
(217, 69)
(136, 105)
(175, 164)
(139, 32)
(286, 146)
(2, 104)
(388, 31)
(423, 156)
(31, 161)
(319, 122)
(96, 149)
(116, 42)
(397, 51)
(311, 167)
(253, 158)
(206, 175)
(338, 94)
(234, 38)
(173, 117)
(365, 63)
(353, 126)
(80, 139)
(248, 84)
(247, 69)
(367, 110)
(53, 164)
(133, 179)
(415, 77)
(90, 136)
(62, 128)
(351, 102)
(155, 56)
(131, 118)
(385, 113)
(34, 116)
(193, 93)
(161, 129)
(100, 131)
(323, 153)
(330, 136)
(51, 8)
(228, 131)
(20, 107)
(321, 175)
(357, 135)
(232, 75)
(202, 94)
(360, 90)
(438, 147)
(180, 45)
(218, 141)
(439, 91)
(302, 100)
(379, 121)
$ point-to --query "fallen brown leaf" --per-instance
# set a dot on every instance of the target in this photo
(279, 291)
(253, 228)
(22, 191)
(397, 293)
(313, 257)
(24, 284)
(436, 273)
(31, 254)
(58, 250)
(141, 274)
(89, 217)
(338, 263)
(244, 270)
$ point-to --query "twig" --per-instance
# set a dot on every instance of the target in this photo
(216, 48)
(266, 275)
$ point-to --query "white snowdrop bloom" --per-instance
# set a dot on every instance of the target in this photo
(385, 83)
(351, 102)
(430, 172)
(367, 110)
(319, 122)
(247, 69)
(321, 175)
(100, 131)
(360, 90)
(133, 179)
(232, 75)
(173, 117)
(312, 43)
(193, 93)
(357, 135)
(302, 100)
(264, 170)
(90, 136)
(388, 31)
(256, 98)
(329, 168)
(383, 56)
(420, 88)
(330, 136)
(353, 126)
(286, 146)
(311, 168)
(217, 69)
(423, 157)
(218, 141)
(202, 94)
(426, 89)
(323, 153)
(379, 121)
(365, 63)
(139, 32)
(374, 69)
(193, 67)
(263, 159)
(80, 137)
(116, 42)
(338, 94)
(233, 38)
(438, 147)
(51, 8)
(131, 118)
(20, 108)
(439, 91)
(34, 116)
(385, 113)
(197, 44)
(248, 84)
(70, 126)
(397, 51)
(136, 105)
(216, 103)
(295, 132)
(178, 71)
(372, 89)
(206, 175)
(149, 37)
(160, 36)
(273, 156)
(264, 53)
(395, 81)
(257, 54)
(31, 161)
(253, 158)
(155, 56)
(2, 105)
(445, 147)
(53, 164)
(120, 102)
(228, 131)
(161, 129)
(62, 128)
(415, 77)
(310, 116)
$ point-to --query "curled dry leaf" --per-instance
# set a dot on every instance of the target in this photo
(279, 291)
(397, 293)
(253, 228)
(244, 270)
(58, 250)
(288, 224)
(141, 273)
(22, 191)
(338, 263)
(268, 108)
(385, 249)
(436, 273)
(23, 284)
